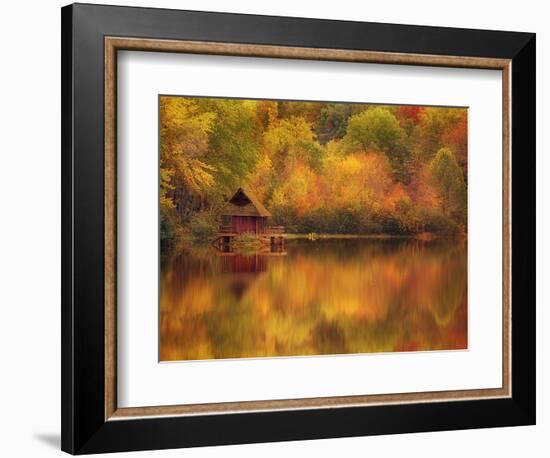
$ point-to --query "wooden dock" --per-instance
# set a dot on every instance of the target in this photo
(271, 236)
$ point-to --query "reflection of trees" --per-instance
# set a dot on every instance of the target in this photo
(324, 297)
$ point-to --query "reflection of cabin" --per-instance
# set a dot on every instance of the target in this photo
(244, 213)
(247, 264)
(243, 270)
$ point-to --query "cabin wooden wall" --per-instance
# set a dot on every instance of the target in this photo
(249, 224)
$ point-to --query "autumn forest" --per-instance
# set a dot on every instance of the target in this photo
(326, 168)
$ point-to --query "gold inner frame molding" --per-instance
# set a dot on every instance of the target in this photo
(114, 44)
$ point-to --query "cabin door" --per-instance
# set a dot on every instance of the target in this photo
(243, 224)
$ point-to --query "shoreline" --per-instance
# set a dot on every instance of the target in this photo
(423, 236)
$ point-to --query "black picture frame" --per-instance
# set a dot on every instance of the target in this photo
(84, 429)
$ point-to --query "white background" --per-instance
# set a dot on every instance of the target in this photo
(142, 381)
(30, 229)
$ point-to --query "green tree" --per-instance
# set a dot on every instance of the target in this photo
(378, 129)
(233, 143)
(289, 142)
(333, 120)
(450, 181)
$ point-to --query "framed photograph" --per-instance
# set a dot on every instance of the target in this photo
(281, 228)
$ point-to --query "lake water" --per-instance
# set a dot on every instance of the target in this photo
(317, 297)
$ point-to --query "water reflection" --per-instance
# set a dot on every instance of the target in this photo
(317, 297)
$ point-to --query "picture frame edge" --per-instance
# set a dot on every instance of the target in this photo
(96, 432)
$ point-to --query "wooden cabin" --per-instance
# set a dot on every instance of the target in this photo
(244, 213)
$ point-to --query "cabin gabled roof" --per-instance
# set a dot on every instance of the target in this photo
(244, 203)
